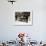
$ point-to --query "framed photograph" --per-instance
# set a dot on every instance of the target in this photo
(23, 18)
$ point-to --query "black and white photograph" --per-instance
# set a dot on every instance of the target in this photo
(23, 18)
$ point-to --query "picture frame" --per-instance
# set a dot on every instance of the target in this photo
(23, 18)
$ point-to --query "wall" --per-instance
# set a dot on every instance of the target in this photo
(9, 31)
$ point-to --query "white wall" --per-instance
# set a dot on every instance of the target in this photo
(9, 31)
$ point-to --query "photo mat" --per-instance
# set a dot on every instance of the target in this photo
(23, 18)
